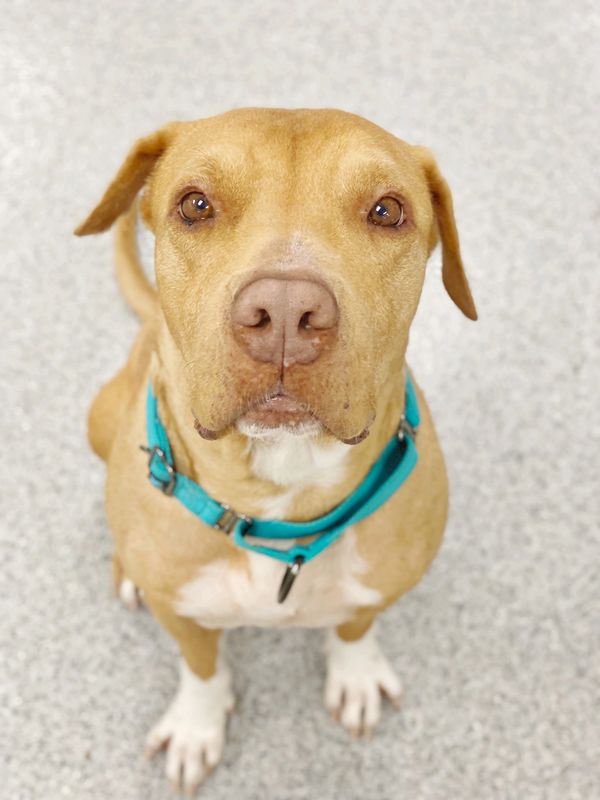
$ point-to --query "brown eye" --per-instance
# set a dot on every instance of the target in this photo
(195, 206)
(388, 212)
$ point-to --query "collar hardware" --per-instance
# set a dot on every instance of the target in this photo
(229, 519)
(165, 484)
(289, 578)
(406, 429)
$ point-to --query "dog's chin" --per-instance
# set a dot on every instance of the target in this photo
(269, 432)
(277, 415)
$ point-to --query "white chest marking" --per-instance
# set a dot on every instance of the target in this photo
(295, 463)
(288, 459)
(327, 591)
(276, 506)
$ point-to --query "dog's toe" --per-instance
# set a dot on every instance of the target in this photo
(189, 758)
(194, 748)
(357, 676)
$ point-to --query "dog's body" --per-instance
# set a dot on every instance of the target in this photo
(346, 382)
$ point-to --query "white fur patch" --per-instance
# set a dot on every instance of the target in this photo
(193, 727)
(326, 592)
(129, 594)
(277, 506)
(254, 431)
(357, 673)
(295, 462)
(287, 459)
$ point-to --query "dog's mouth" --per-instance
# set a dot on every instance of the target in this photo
(277, 411)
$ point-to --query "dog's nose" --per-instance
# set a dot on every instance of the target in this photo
(283, 321)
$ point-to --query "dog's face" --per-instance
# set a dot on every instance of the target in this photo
(290, 255)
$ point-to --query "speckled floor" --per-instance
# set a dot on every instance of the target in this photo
(499, 647)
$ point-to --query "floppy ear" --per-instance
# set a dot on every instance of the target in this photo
(453, 273)
(128, 181)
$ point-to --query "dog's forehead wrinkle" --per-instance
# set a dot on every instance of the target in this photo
(289, 138)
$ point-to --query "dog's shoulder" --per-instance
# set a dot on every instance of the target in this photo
(115, 397)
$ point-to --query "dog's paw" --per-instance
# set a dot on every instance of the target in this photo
(125, 589)
(129, 594)
(357, 675)
(193, 728)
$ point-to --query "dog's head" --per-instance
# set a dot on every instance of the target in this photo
(290, 255)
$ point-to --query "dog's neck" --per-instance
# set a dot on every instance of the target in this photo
(279, 474)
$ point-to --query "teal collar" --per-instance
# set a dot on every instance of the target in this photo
(388, 473)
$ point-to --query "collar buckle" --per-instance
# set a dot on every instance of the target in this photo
(166, 485)
(229, 519)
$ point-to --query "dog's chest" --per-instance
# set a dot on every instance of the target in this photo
(327, 591)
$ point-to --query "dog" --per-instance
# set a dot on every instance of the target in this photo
(268, 384)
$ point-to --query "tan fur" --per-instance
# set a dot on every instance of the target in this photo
(287, 186)
(198, 646)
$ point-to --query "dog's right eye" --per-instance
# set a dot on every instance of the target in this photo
(387, 212)
(195, 206)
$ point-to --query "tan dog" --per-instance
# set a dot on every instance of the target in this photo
(290, 255)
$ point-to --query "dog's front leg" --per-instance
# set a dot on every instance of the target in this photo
(193, 727)
(357, 675)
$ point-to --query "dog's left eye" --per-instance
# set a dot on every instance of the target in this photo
(195, 206)
(387, 212)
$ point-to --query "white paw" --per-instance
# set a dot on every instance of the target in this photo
(357, 675)
(193, 728)
(130, 595)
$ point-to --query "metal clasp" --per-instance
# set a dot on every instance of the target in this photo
(229, 519)
(166, 485)
(405, 428)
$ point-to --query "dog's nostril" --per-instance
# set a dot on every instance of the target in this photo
(304, 323)
(263, 318)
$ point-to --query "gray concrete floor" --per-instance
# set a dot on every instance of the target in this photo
(499, 646)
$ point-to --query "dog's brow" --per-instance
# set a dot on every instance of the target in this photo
(381, 160)
(218, 167)
(381, 170)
